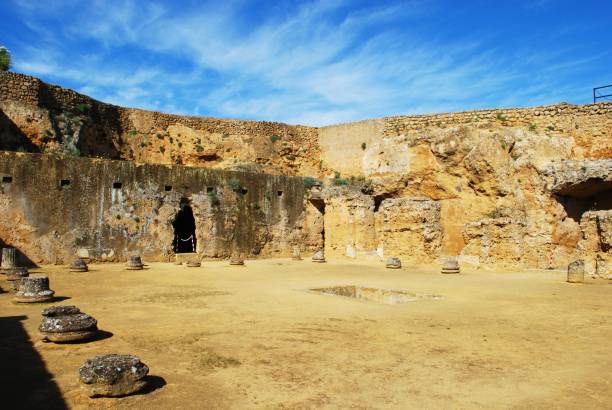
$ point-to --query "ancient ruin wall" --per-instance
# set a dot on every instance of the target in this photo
(487, 173)
(55, 207)
(38, 117)
(490, 172)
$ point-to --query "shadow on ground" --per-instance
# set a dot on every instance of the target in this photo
(25, 382)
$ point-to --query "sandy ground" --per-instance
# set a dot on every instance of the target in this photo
(252, 338)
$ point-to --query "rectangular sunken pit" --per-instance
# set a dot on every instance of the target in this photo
(382, 296)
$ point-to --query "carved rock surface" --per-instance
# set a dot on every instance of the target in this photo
(581, 178)
(113, 375)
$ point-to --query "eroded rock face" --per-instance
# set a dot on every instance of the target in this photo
(595, 246)
(581, 178)
(410, 228)
(66, 324)
(113, 375)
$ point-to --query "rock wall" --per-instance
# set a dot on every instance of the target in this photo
(511, 187)
(52, 207)
(38, 117)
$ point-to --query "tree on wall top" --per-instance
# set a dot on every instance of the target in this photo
(5, 59)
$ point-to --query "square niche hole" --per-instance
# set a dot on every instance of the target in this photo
(244, 191)
(210, 189)
(279, 193)
(117, 185)
(64, 183)
(168, 188)
(7, 179)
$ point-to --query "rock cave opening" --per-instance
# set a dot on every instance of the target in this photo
(184, 229)
(589, 197)
(378, 200)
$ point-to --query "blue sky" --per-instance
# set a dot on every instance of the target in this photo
(314, 62)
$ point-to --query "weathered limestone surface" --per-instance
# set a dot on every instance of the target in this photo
(113, 375)
(514, 187)
(39, 117)
(51, 224)
(410, 228)
(581, 178)
(348, 222)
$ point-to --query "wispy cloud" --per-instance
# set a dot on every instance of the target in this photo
(317, 63)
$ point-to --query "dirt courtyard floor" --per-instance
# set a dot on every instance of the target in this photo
(253, 337)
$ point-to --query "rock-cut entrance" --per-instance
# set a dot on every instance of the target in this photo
(184, 229)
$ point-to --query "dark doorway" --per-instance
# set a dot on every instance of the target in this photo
(184, 229)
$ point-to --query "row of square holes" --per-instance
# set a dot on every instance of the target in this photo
(118, 185)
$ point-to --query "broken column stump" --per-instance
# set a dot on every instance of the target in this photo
(236, 261)
(78, 265)
(34, 289)
(113, 375)
(319, 256)
(14, 275)
(9, 259)
(193, 263)
(296, 254)
(450, 265)
(66, 324)
(393, 263)
(575, 271)
(134, 263)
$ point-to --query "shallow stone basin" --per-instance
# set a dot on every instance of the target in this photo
(382, 296)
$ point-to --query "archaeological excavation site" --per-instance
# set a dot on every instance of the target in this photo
(455, 260)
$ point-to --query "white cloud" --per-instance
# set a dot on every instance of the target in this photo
(316, 63)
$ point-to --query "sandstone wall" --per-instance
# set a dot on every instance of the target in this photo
(45, 118)
(510, 187)
(49, 220)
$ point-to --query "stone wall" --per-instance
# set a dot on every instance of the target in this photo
(48, 118)
(508, 187)
(51, 206)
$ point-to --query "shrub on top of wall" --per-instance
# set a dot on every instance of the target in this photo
(309, 182)
(83, 108)
(5, 59)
